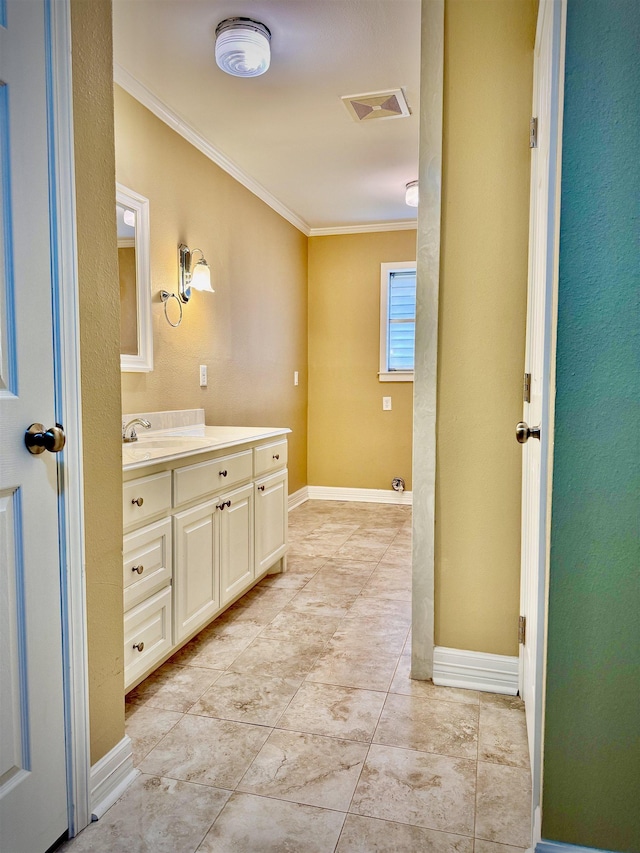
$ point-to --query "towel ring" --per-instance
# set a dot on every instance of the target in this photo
(165, 296)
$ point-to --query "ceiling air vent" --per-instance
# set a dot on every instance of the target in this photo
(375, 105)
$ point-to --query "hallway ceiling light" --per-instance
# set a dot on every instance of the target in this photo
(243, 47)
(411, 194)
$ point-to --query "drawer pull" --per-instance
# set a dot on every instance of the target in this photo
(224, 504)
(276, 456)
(138, 569)
(223, 473)
(138, 501)
(139, 646)
(261, 488)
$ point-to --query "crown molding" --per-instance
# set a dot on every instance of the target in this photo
(370, 228)
(147, 98)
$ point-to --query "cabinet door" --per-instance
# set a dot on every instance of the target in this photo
(196, 585)
(271, 520)
(236, 542)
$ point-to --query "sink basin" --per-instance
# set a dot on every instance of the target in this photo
(171, 442)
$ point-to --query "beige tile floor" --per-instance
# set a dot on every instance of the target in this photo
(291, 725)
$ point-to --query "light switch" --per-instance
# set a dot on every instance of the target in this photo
(295, 377)
(386, 404)
(203, 375)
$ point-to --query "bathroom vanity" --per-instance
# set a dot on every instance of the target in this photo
(205, 518)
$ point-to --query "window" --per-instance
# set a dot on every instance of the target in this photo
(397, 321)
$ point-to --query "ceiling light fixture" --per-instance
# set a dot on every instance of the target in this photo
(411, 194)
(243, 47)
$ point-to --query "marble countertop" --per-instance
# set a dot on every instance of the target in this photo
(165, 445)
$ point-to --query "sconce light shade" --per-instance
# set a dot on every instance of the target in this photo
(201, 276)
(243, 47)
(411, 194)
(193, 276)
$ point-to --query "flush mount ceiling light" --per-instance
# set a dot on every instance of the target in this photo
(411, 194)
(243, 47)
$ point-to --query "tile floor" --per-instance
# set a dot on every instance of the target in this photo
(290, 725)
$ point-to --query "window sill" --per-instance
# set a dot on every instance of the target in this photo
(396, 376)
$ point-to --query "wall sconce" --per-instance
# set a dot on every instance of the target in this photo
(192, 276)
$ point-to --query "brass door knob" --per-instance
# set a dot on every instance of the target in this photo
(38, 439)
(138, 569)
(524, 432)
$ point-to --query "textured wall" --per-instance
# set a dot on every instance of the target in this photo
(252, 334)
(488, 78)
(100, 365)
(352, 442)
(592, 733)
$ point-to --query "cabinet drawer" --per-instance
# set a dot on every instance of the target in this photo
(146, 562)
(205, 478)
(148, 627)
(145, 497)
(270, 457)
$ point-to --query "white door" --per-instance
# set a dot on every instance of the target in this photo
(547, 100)
(33, 786)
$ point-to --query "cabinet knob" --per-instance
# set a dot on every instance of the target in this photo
(223, 473)
(138, 569)
(138, 501)
(261, 488)
(276, 456)
(139, 646)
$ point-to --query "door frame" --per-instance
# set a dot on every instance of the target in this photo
(551, 262)
(66, 357)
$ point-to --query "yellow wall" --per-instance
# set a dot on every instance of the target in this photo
(487, 102)
(252, 334)
(352, 442)
(100, 364)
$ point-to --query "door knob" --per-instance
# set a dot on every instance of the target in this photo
(524, 432)
(38, 439)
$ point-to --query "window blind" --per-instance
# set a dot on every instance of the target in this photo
(401, 330)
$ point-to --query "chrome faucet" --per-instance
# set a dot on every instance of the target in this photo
(143, 422)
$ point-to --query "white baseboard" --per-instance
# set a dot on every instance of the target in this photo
(475, 671)
(298, 497)
(559, 847)
(378, 496)
(111, 776)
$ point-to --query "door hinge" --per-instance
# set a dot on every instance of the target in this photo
(533, 132)
(526, 388)
(522, 630)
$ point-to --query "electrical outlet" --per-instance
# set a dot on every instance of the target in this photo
(203, 375)
(295, 377)
(386, 404)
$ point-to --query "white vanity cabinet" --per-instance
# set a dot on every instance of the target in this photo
(198, 534)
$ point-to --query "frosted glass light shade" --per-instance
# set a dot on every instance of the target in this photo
(411, 194)
(201, 277)
(243, 47)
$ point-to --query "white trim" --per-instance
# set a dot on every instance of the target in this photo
(475, 671)
(370, 228)
(376, 496)
(298, 498)
(142, 362)
(111, 777)
(398, 376)
(560, 847)
(140, 92)
(68, 410)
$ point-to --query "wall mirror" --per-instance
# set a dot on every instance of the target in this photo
(136, 336)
